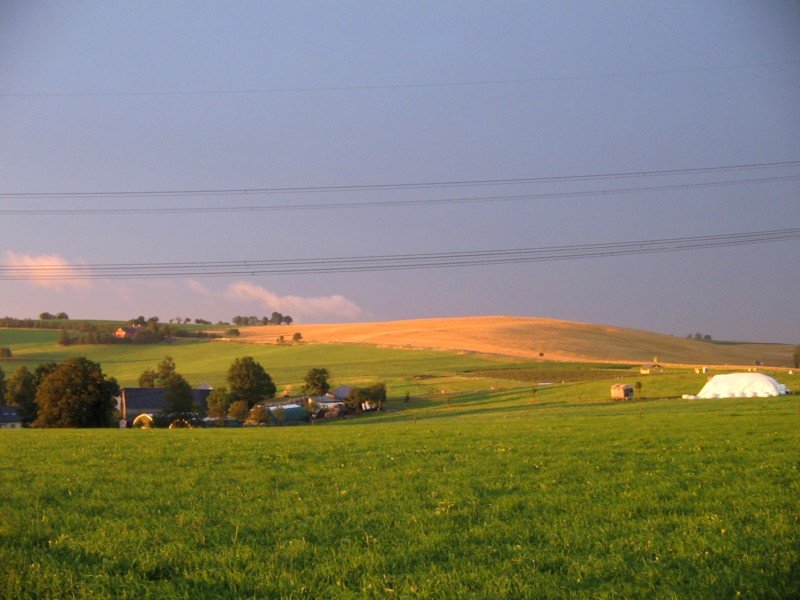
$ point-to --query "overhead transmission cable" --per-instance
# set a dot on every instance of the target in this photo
(395, 186)
(390, 86)
(161, 210)
(305, 266)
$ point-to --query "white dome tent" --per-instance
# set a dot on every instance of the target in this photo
(742, 385)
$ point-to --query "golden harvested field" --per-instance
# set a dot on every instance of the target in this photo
(527, 337)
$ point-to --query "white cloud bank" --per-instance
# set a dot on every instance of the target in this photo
(324, 308)
(45, 270)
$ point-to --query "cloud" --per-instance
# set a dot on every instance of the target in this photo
(199, 289)
(335, 307)
(45, 270)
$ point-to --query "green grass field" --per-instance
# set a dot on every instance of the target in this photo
(208, 362)
(490, 496)
(479, 487)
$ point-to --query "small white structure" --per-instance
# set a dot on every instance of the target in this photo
(742, 385)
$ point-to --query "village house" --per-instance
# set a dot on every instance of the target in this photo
(9, 418)
(125, 333)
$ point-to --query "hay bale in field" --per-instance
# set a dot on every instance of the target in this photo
(143, 421)
(622, 391)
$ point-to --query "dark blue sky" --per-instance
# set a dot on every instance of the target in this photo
(98, 96)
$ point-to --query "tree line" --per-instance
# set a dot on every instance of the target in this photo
(276, 319)
(46, 316)
(76, 393)
(147, 331)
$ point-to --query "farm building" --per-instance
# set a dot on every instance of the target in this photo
(340, 393)
(125, 333)
(9, 418)
(326, 402)
(742, 385)
(133, 402)
(289, 414)
(622, 391)
(651, 369)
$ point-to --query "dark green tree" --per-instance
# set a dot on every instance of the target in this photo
(377, 394)
(358, 396)
(42, 371)
(76, 394)
(297, 337)
(179, 397)
(249, 381)
(260, 414)
(2, 387)
(317, 381)
(161, 376)
(238, 410)
(147, 379)
(219, 401)
(21, 393)
(5, 352)
(64, 338)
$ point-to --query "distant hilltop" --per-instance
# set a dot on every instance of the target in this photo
(538, 338)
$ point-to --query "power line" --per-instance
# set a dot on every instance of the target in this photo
(395, 186)
(306, 266)
(383, 203)
(390, 86)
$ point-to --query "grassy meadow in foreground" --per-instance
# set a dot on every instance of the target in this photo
(491, 496)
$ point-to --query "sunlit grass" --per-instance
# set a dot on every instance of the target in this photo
(490, 496)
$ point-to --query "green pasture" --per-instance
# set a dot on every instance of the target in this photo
(499, 478)
(422, 373)
(208, 361)
(494, 494)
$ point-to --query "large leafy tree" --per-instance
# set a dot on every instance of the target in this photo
(179, 397)
(219, 400)
(42, 371)
(161, 376)
(76, 394)
(374, 393)
(249, 382)
(317, 381)
(21, 393)
(238, 410)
